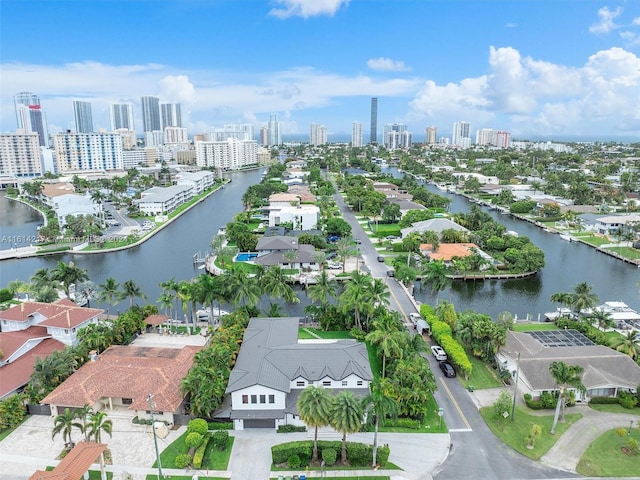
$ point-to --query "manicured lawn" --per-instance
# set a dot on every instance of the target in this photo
(515, 433)
(386, 229)
(534, 327)
(615, 408)
(184, 477)
(626, 252)
(213, 459)
(482, 376)
(595, 241)
(604, 457)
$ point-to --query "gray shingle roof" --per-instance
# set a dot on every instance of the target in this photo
(282, 243)
(270, 356)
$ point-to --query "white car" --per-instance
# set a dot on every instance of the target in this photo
(414, 317)
(439, 353)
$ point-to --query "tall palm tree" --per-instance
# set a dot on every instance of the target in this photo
(346, 417)
(602, 319)
(274, 283)
(170, 289)
(64, 424)
(244, 289)
(130, 290)
(354, 297)
(343, 250)
(68, 274)
(628, 344)
(109, 293)
(388, 337)
(583, 297)
(435, 274)
(375, 406)
(323, 290)
(85, 292)
(565, 376)
(98, 423)
(314, 407)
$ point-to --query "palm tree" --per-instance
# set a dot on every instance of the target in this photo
(16, 287)
(355, 297)
(314, 407)
(378, 405)
(343, 250)
(628, 344)
(435, 274)
(602, 319)
(69, 274)
(130, 290)
(324, 289)
(83, 414)
(388, 337)
(346, 417)
(99, 423)
(583, 297)
(85, 292)
(109, 293)
(170, 289)
(244, 289)
(274, 282)
(64, 424)
(565, 376)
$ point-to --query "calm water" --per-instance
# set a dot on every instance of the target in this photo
(567, 264)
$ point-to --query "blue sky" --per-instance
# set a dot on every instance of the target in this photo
(553, 68)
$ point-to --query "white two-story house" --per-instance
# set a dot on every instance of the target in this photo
(273, 368)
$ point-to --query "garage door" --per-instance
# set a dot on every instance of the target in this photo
(262, 423)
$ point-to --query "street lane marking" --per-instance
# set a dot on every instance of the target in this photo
(455, 403)
(458, 430)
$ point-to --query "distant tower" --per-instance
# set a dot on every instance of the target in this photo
(274, 130)
(151, 114)
(373, 138)
(461, 134)
(82, 116)
(171, 115)
(30, 116)
(317, 135)
(121, 116)
(431, 136)
(356, 134)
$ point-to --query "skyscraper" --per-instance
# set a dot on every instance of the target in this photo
(151, 114)
(30, 116)
(274, 130)
(356, 134)
(373, 137)
(82, 116)
(432, 135)
(317, 135)
(171, 115)
(121, 116)
(461, 134)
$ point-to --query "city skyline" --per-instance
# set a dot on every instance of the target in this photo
(541, 68)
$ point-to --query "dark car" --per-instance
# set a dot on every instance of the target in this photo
(380, 258)
(447, 369)
(358, 241)
(391, 273)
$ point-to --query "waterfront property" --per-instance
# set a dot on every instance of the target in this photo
(164, 200)
(611, 225)
(273, 368)
(606, 371)
(435, 224)
(274, 251)
(123, 376)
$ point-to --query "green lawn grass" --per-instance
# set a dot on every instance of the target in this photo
(626, 252)
(374, 361)
(604, 457)
(213, 459)
(534, 327)
(595, 241)
(386, 229)
(515, 433)
(482, 376)
(615, 408)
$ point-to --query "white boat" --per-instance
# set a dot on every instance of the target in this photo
(620, 312)
(560, 312)
(567, 237)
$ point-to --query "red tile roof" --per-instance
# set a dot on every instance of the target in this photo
(75, 464)
(156, 319)
(10, 342)
(447, 251)
(62, 314)
(129, 372)
(17, 373)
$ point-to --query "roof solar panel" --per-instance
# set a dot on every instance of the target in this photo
(561, 338)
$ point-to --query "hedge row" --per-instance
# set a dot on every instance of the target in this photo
(358, 454)
(198, 456)
(441, 333)
(291, 428)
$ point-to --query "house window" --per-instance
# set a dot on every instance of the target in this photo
(254, 399)
(359, 383)
(272, 399)
(300, 383)
(326, 383)
(127, 401)
(245, 398)
(344, 383)
(263, 399)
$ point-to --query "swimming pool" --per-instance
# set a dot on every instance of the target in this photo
(245, 257)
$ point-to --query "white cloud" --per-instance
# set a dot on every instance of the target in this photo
(387, 64)
(306, 8)
(177, 89)
(606, 20)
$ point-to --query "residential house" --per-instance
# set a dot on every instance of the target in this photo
(391, 191)
(447, 252)
(529, 355)
(273, 368)
(272, 250)
(614, 223)
(164, 200)
(199, 181)
(123, 377)
(74, 204)
(301, 217)
(406, 205)
(434, 224)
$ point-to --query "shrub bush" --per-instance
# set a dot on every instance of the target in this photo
(220, 439)
(193, 440)
(329, 455)
(220, 425)
(183, 460)
(5, 295)
(198, 456)
(549, 400)
(382, 456)
(603, 401)
(291, 428)
(294, 461)
(403, 423)
(198, 425)
(280, 453)
(627, 400)
(359, 454)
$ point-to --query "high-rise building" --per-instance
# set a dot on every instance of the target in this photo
(264, 135)
(485, 136)
(502, 139)
(30, 116)
(274, 130)
(317, 135)
(171, 115)
(356, 134)
(243, 131)
(373, 137)
(20, 154)
(461, 134)
(82, 116)
(99, 152)
(431, 135)
(229, 154)
(121, 116)
(396, 136)
(151, 114)
(175, 135)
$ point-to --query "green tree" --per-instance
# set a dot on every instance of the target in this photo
(629, 344)
(132, 291)
(109, 293)
(435, 275)
(354, 298)
(378, 405)
(602, 319)
(346, 417)
(68, 274)
(64, 424)
(314, 407)
(387, 336)
(583, 297)
(564, 376)
(98, 423)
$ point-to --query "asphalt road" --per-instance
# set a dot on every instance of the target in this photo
(475, 453)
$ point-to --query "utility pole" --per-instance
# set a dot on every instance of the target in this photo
(155, 438)
(515, 390)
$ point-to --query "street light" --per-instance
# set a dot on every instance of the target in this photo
(515, 390)
(155, 439)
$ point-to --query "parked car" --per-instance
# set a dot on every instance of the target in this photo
(335, 266)
(331, 255)
(358, 241)
(391, 273)
(380, 258)
(414, 317)
(439, 353)
(447, 369)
